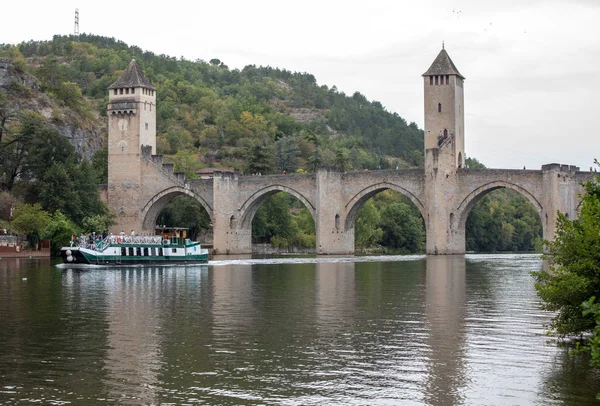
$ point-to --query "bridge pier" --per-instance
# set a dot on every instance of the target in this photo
(332, 236)
(561, 190)
(444, 235)
(231, 234)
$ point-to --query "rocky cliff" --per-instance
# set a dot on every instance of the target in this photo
(23, 92)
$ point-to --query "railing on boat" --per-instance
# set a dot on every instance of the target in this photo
(102, 245)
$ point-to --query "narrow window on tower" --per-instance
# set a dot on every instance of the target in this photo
(133, 90)
(447, 79)
(115, 92)
(437, 80)
(127, 91)
(439, 107)
(146, 126)
(430, 82)
(120, 91)
(445, 133)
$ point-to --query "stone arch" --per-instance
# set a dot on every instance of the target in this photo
(251, 205)
(151, 210)
(462, 213)
(361, 197)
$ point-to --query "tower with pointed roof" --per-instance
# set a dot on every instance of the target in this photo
(131, 128)
(444, 108)
(444, 151)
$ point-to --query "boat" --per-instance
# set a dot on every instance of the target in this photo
(134, 250)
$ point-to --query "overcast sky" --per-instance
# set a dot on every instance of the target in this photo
(531, 67)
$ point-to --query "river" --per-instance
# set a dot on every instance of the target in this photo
(365, 331)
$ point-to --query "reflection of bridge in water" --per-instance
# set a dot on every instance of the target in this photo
(140, 184)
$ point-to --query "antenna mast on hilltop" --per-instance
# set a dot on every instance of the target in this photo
(76, 22)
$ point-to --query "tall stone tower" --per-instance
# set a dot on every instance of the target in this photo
(444, 106)
(131, 126)
(444, 151)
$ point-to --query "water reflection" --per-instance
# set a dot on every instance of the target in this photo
(429, 331)
(445, 314)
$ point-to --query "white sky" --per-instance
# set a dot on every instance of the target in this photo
(532, 67)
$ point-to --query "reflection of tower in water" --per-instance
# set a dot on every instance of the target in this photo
(445, 315)
(133, 356)
(335, 288)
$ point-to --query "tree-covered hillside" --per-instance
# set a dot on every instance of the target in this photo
(258, 119)
(255, 119)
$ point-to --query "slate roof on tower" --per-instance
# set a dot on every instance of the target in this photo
(132, 76)
(443, 65)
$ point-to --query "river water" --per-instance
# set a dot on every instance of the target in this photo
(364, 331)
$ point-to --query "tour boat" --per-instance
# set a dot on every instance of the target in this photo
(135, 250)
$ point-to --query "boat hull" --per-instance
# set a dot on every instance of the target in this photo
(78, 255)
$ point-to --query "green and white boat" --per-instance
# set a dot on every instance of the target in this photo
(135, 250)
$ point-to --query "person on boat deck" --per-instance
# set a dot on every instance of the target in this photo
(132, 233)
(122, 233)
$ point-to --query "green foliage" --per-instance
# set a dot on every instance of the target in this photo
(207, 105)
(390, 222)
(401, 229)
(96, 223)
(30, 219)
(259, 158)
(503, 220)
(283, 222)
(59, 231)
(185, 211)
(186, 162)
(473, 163)
(272, 219)
(367, 228)
(592, 309)
(575, 274)
(100, 166)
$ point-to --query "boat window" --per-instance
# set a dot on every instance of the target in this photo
(131, 252)
(174, 250)
(160, 252)
(138, 252)
(123, 251)
(146, 251)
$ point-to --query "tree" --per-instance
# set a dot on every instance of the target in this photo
(401, 229)
(31, 220)
(272, 219)
(575, 272)
(367, 230)
(59, 231)
(286, 154)
(259, 158)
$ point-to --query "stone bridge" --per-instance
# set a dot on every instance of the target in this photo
(444, 191)
(334, 198)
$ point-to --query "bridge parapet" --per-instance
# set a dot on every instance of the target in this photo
(560, 167)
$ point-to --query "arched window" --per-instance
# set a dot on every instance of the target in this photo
(445, 133)
(439, 107)
(337, 222)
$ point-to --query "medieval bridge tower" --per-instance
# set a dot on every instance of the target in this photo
(140, 183)
(131, 126)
